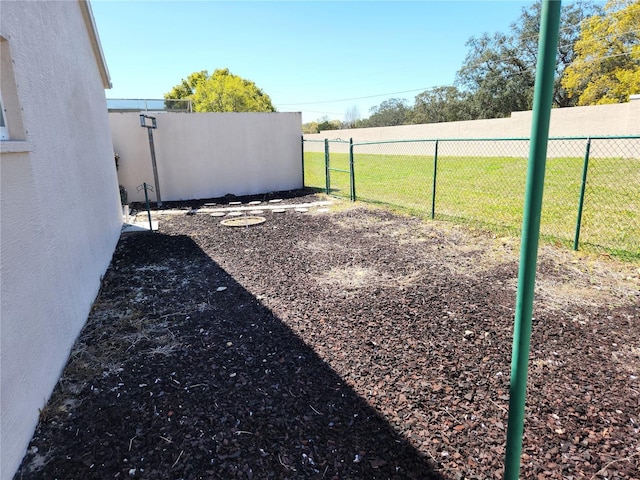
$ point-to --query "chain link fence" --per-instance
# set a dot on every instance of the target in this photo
(592, 185)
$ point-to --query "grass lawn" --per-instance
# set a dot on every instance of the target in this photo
(489, 191)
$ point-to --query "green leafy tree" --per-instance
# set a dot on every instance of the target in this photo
(497, 80)
(221, 92)
(441, 104)
(185, 90)
(499, 70)
(527, 31)
(325, 124)
(394, 111)
(310, 127)
(607, 64)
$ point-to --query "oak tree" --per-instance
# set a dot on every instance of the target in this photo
(441, 104)
(394, 111)
(499, 70)
(221, 92)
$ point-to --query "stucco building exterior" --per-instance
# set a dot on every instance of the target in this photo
(60, 210)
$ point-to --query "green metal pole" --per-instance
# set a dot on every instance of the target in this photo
(352, 176)
(326, 165)
(146, 201)
(583, 186)
(543, 95)
(433, 190)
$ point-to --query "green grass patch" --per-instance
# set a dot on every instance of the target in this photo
(489, 192)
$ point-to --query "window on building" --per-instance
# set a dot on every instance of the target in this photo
(4, 131)
(11, 125)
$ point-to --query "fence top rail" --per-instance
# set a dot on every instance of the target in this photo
(599, 137)
(507, 139)
(328, 140)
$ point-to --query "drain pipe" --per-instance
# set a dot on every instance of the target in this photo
(543, 96)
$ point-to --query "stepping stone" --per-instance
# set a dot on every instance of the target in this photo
(234, 214)
(275, 200)
(255, 202)
(278, 210)
(218, 214)
(256, 212)
(302, 210)
(243, 221)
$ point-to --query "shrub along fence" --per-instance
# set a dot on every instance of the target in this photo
(592, 184)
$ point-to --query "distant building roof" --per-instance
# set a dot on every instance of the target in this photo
(149, 105)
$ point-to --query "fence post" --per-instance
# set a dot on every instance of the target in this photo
(542, 98)
(352, 176)
(435, 173)
(302, 156)
(326, 165)
(583, 186)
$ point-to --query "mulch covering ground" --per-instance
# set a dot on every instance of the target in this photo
(350, 344)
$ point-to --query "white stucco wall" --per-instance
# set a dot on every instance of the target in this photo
(598, 120)
(60, 213)
(205, 155)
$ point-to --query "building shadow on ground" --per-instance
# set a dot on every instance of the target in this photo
(181, 373)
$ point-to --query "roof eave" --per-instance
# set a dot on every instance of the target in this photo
(87, 15)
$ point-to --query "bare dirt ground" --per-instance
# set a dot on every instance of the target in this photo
(349, 344)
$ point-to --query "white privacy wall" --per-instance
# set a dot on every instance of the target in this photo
(207, 155)
(598, 120)
(61, 216)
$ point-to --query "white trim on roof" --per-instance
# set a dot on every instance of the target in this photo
(87, 15)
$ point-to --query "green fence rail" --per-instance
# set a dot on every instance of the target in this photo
(592, 186)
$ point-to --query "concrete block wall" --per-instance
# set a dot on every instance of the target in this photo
(205, 155)
(598, 120)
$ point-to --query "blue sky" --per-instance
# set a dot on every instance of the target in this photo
(305, 55)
